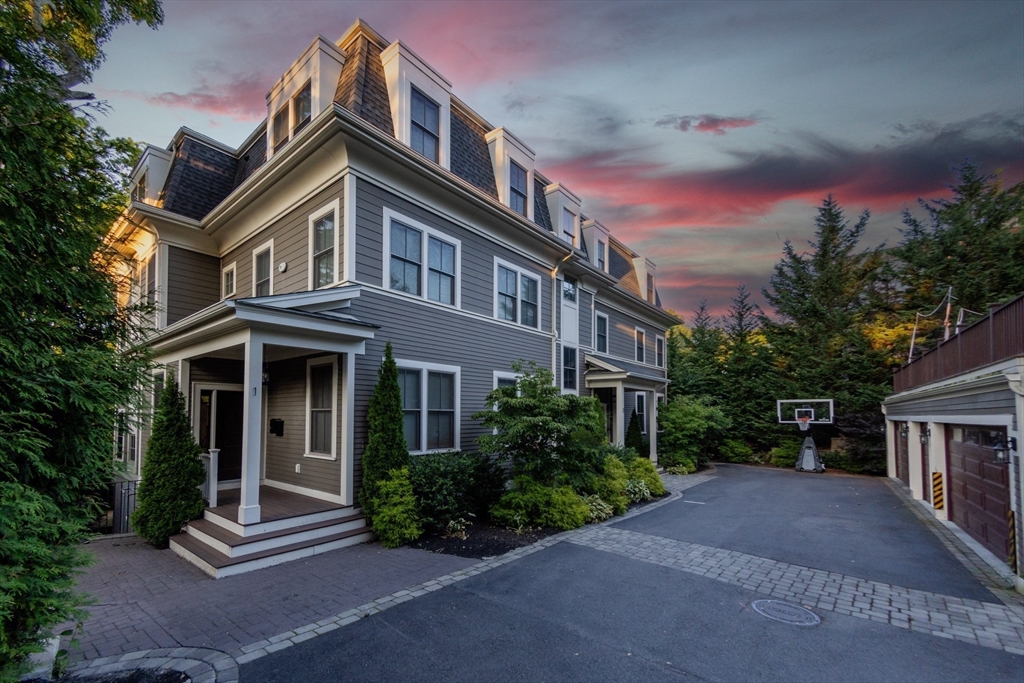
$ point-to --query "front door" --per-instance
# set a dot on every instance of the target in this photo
(219, 425)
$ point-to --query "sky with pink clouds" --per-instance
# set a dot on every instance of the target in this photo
(702, 134)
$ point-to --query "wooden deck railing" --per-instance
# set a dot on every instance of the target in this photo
(996, 337)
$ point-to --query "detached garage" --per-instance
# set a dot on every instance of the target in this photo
(954, 429)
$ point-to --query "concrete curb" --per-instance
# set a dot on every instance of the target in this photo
(201, 665)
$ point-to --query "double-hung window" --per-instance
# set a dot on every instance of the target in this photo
(517, 188)
(429, 405)
(262, 273)
(568, 367)
(139, 191)
(518, 295)
(426, 132)
(323, 250)
(640, 345)
(600, 255)
(280, 128)
(438, 278)
(569, 226)
(659, 351)
(321, 392)
(302, 105)
(650, 288)
(228, 280)
(641, 411)
(569, 289)
(601, 333)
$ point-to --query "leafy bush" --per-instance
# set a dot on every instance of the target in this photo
(385, 439)
(735, 450)
(531, 502)
(454, 485)
(611, 485)
(686, 466)
(642, 468)
(599, 510)
(691, 429)
(396, 521)
(785, 454)
(169, 495)
(636, 490)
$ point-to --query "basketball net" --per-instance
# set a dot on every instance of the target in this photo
(804, 423)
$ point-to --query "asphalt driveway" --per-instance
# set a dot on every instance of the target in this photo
(640, 600)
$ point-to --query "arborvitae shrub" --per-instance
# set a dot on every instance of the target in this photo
(385, 439)
(634, 439)
(169, 495)
(395, 520)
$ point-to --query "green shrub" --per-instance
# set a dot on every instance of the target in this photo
(530, 502)
(634, 436)
(169, 495)
(396, 521)
(636, 490)
(611, 485)
(642, 468)
(598, 509)
(691, 428)
(785, 454)
(385, 439)
(735, 450)
(686, 465)
(444, 484)
(566, 510)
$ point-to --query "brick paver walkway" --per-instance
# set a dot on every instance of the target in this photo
(981, 623)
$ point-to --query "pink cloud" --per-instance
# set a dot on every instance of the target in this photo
(706, 123)
(243, 98)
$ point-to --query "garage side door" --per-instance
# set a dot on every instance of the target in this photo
(902, 453)
(979, 487)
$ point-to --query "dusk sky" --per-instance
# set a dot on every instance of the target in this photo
(702, 134)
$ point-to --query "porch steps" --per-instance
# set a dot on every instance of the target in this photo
(233, 545)
(219, 565)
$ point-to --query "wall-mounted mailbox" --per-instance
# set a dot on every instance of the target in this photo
(277, 427)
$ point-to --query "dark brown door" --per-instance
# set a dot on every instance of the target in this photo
(902, 453)
(979, 487)
(229, 434)
(926, 469)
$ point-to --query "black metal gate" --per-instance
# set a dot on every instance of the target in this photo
(120, 504)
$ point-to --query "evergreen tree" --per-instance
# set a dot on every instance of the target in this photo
(385, 439)
(169, 495)
(61, 187)
(694, 358)
(634, 438)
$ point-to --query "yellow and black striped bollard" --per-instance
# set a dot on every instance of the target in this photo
(938, 501)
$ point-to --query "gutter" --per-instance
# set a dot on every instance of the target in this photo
(554, 329)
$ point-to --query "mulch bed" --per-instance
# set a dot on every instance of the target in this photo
(131, 676)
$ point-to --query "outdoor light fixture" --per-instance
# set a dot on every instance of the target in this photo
(925, 433)
(266, 374)
(1003, 447)
(904, 431)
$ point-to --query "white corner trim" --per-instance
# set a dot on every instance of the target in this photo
(350, 227)
(256, 252)
(426, 232)
(311, 363)
(332, 207)
(425, 368)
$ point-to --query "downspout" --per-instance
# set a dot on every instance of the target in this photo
(554, 328)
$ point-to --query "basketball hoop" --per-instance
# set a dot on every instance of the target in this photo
(804, 422)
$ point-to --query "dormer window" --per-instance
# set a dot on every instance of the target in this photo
(518, 188)
(302, 105)
(281, 128)
(139, 191)
(650, 288)
(569, 226)
(600, 256)
(426, 129)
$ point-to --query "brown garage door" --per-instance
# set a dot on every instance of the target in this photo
(979, 487)
(902, 453)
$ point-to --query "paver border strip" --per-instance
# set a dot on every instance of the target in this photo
(201, 665)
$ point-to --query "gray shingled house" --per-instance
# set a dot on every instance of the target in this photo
(372, 205)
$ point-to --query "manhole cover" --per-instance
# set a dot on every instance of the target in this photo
(786, 612)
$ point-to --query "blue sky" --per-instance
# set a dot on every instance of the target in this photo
(702, 134)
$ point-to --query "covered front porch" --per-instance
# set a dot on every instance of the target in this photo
(620, 390)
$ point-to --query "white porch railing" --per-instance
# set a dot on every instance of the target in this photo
(209, 486)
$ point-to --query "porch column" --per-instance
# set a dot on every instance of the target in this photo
(654, 427)
(348, 421)
(914, 461)
(890, 448)
(620, 401)
(252, 431)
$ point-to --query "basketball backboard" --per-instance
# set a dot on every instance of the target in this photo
(804, 411)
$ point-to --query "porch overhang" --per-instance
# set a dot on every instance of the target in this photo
(601, 374)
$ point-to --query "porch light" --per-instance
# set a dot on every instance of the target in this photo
(266, 374)
(1003, 447)
(925, 434)
(904, 431)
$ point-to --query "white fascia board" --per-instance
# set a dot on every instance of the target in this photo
(205, 139)
(974, 382)
(510, 139)
(628, 303)
(287, 318)
(296, 70)
(604, 365)
(311, 301)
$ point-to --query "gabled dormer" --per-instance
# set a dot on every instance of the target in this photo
(420, 100)
(513, 171)
(564, 208)
(305, 90)
(645, 272)
(596, 238)
(150, 174)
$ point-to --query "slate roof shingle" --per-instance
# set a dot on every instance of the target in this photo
(254, 156)
(199, 179)
(620, 267)
(541, 215)
(471, 160)
(362, 88)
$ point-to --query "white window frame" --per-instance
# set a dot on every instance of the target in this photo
(641, 415)
(425, 232)
(520, 274)
(233, 267)
(561, 379)
(256, 252)
(659, 342)
(561, 226)
(335, 207)
(637, 331)
(505, 374)
(293, 121)
(607, 331)
(602, 261)
(425, 368)
(287, 109)
(310, 364)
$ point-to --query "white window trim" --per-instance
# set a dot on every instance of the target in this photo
(425, 232)
(637, 395)
(424, 368)
(658, 338)
(256, 252)
(602, 266)
(607, 332)
(520, 274)
(561, 378)
(279, 144)
(575, 226)
(637, 331)
(233, 267)
(335, 207)
(505, 374)
(310, 364)
(292, 121)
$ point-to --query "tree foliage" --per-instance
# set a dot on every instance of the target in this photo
(386, 450)
(169, 495)
(61, 187)
(634, 437)
(692, 430)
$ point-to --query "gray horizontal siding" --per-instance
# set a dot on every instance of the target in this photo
(286, 400)
(193, 282)
(291, 245)
(622, 342)
(477, 259)
(217, 371)
(998, 401)
(426, 334)
(586, 301)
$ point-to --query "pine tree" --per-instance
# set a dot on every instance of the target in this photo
(385, 440)
(634, 438)
(169, 495)
(694, 358)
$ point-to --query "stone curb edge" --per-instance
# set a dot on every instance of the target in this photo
(201, 665)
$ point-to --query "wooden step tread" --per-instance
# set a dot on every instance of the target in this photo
(218, 560)
(229, 538)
